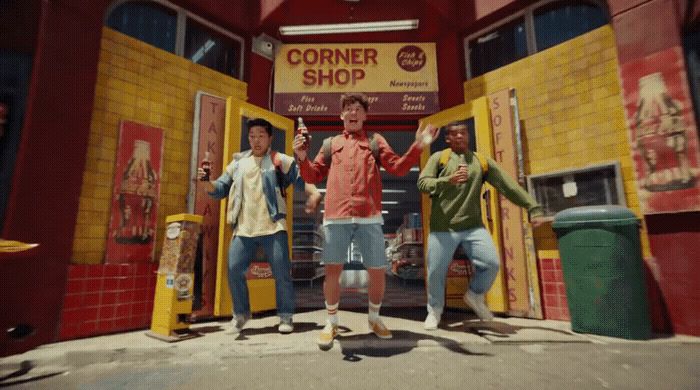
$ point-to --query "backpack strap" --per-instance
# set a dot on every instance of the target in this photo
(484, 165)
(277, 163)
(374, 147)
(327, 151)
(444, 158)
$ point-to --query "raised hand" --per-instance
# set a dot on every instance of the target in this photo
(427, 135)
(460, 176)
(299, 146)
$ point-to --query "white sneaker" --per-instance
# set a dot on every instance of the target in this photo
(237, 324)
(431, 321)
(286, 326)
(476, 302)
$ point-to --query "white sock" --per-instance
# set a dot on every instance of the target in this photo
(332, 313)
(373, 313)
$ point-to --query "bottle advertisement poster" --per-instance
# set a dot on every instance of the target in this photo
(134, 210)
(663, 132)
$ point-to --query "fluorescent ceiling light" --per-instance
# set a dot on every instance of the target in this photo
(393, 202)
(413, 169)
(385, 212)
(341, 28)
(323, 190)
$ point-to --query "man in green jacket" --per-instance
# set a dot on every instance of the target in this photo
(455, 188)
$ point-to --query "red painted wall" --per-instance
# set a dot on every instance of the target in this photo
(673, 277)
(674, 243)
(43, 202)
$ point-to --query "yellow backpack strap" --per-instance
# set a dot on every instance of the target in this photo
(444, 158)
(484, 164)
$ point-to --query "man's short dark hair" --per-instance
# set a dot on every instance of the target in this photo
(349, 98)
(260, 122)
(456, 124)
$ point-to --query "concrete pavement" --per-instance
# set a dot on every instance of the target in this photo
(135, 360)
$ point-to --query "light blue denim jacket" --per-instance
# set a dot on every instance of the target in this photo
(230, 184)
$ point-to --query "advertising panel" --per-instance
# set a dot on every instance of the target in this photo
(137, 178)
(399, 78)
(663, 132)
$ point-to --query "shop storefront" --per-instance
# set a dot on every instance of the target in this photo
(573, 98)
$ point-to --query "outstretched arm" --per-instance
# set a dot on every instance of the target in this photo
(512, 190)
(218, 188)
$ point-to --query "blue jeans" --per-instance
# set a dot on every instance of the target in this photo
(240, 254)
(478, 246)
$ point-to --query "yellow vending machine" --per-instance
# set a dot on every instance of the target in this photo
(261, 285)
(172, 304)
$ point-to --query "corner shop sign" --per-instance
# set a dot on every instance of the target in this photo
(398, 78)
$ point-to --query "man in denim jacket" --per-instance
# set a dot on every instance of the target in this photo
(257, 177)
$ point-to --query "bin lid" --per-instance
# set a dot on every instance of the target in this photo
(606, 215)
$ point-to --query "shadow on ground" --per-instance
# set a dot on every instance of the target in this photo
(355, 346)
(16, 376)
(299, 327)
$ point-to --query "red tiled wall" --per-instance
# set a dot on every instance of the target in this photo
(107, 298)
(554, 301)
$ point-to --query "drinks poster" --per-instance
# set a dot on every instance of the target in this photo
(134, 209)
(663, 132)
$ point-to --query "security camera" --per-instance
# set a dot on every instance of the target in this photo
(265, 45)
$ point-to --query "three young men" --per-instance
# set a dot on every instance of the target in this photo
(353, 211)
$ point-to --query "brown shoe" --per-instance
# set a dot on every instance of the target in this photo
(325, 338)
(379, 329)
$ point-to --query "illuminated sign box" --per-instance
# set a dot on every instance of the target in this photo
(398, 78)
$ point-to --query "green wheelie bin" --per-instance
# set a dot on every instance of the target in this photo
(603, 271)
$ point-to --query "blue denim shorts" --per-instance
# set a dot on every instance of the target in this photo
(369, 239)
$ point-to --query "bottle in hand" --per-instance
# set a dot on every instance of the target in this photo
(303, 131)
(206, 166)
(463, 164)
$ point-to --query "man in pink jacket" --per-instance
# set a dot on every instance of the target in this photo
(353, 204)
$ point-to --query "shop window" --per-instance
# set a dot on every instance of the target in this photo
(556, 22)
(177, 31)
(146, 21)
(211, 49)
(536, 28)
(498, 47)
(590, 186)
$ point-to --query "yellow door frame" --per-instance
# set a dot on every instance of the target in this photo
(262, 291)
(497, 296)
